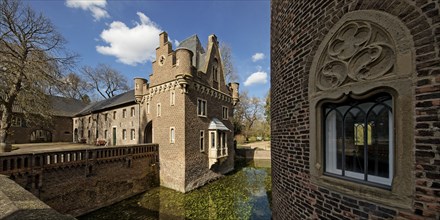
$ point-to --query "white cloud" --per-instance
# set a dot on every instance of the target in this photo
(258, 56)
(131, 45)
(176, 43)
(97, 7)
(259, 77)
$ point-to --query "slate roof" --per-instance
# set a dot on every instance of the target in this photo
(217, 125)
(61, 106)
(115, 101)
(193, 43)
(66, 107)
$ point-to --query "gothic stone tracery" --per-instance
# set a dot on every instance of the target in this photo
(358, 51)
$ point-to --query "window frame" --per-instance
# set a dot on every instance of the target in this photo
(158, 110)
(352, 175)
(132, 134)
(205, 108)
(398, 82)
(16, 121)
(132, 112)
(215, 77)
(172, 98)
(225, 112)
(124, 134)
(172, 135)
(202, 141)
(124, 113)
(398, 193)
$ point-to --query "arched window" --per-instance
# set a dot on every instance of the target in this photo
(361, 108)
(359, 139)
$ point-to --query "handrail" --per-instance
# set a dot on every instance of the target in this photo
(20, 163)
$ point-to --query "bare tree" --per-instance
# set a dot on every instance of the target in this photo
(247, 112)
(107, 81)
(32, 56)
(73, 86)
(227, 61)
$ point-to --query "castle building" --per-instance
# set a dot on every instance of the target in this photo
(186, 107)
(355, 109)
(57, 129)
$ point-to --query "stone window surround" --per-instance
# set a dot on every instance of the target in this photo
(124, 134)
(158, 110)
(124, 113)
(172, 135)
(202, 141)
(16, 121)
(396, 84)
(205, 107)
(223, 113)
(132, 134)
(132, 112)
(172, 98)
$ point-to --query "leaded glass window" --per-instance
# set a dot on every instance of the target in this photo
(359, 139)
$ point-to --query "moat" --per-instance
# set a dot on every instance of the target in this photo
(242, 194)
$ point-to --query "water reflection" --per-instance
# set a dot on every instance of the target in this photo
(243, 194)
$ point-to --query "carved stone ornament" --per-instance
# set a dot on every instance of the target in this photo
(358, 51)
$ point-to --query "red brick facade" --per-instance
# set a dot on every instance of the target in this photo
(298, 29)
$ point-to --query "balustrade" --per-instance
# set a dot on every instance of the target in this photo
(19, 163)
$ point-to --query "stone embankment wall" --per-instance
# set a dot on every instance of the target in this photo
(17, 203)
(79, 181)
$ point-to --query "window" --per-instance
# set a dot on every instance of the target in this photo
(212, 134)
(202, 141)
(105, 116)
(172, 135)
(124, 134)
(88, 134)
(172, 98)
(225, 113)
(76, 121)
(158, 110)
(218, 143)
(222, 141)
(132, 112)
(132, 134)
(353, 144)
(16, 121)
(114, 115)
(359, 139)
(215, 70)
(201, 107)
(124, 113)
(90, 119)
(105, 134)
(148, 108)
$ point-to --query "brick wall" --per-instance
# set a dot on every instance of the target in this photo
(172, 155)
(79, 181)
(183, 166)
(198, 172)
(297, 30)
(61, 131)
(115, 119)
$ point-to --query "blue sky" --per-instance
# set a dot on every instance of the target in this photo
(124, 34)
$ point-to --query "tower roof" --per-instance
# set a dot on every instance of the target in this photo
(193, 43)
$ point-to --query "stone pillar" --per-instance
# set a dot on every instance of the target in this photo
(5, 147)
